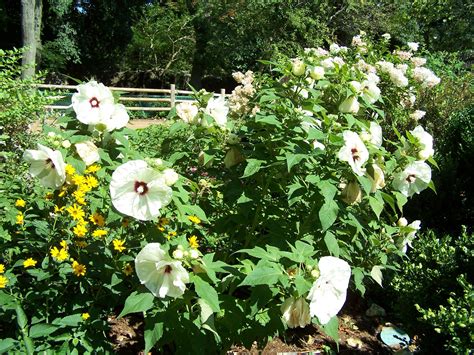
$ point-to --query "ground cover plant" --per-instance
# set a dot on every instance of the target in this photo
(254, 215)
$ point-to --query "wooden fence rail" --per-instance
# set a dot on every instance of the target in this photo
(172, 96)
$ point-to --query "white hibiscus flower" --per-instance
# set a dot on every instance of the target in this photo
(413, 179)
(93, 103)
(218, 110)
(296, 312)
(354, 152)
(328, 294)
(187, 111)
(47, 165)
(162, 275)
(408, 235)
(425, 141)
(139, 191)
(88, 152)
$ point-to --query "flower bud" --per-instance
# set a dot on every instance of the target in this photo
(402, 222)
(194, 254)
(178, 254)
(298, 67)
(66, 144)
(355, 86)
(315, 273)
(349, 105)
(88, 152)
(233, 157)
(377, 177)
(351, 193)
(317, 73)
(233, 139)
(170, 176)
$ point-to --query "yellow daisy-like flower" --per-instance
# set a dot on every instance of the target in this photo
(164, 221)
(76, 212)
(127, 269)
(58, 209)
(3, 281)
(59, 254)
(20, 218)
(29, 262)
(70, 169)
(49, 196)
(97, 219)
(85, 316)
(193, 242)
(194, 219)
(78, 179)
(92, 169)
(98, 233)
(79, 196)
(20, 203)
(2, 268)
(63, 191)
(91, 181)
(119, 245)
(171, 235)
(63, 244)
(78, 269)
(80, 230)
(160, 228)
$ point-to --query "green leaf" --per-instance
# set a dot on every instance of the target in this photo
(265, 273)
(207, 292)
(358, 279)
(41, 330)
(7, 301)
(153, 333)
(253, 166)
(270, 120)
(327, 190)
(7, 344)
(376, 205)
(206, 310)
(260, 253)
(302, 285)
(328, 214)
(376, 274)
(293, 159)
(332, 244)
(401, 200)
(21, 318)
(137, 302)
(366, 184)
(331, 329)
(69, 321)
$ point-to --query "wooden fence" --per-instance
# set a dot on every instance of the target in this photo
(144, 99)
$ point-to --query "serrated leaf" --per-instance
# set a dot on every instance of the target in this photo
(137, 302)
(302, 285)
(332, 244)
(328, 214)
(207, 292)
(265, 273)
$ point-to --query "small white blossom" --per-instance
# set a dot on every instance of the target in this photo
(413, 46)
(187, 111)
(377, 177)
(425, 141)
(418, 62)
(218, 110)
(317, 73)
(417, 115)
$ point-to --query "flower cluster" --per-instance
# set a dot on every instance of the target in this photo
(241, 95)
(214, 113)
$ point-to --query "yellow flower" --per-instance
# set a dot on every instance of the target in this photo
(193, 242)
(58, 209)
(63, 244)
(49, 196)
(29, 262)
(128, 269)
(194, 219)
(92, 169)
(160, 228)
(97, 219)
(171, 235)
(20, 203)
(78, 179)
(78, 269)
(3, 281)
(85, 316)
(59, 254)
(76, 212)
(63, 191)
(2, 268)
(119, 245)
(98, 233)
(20, 218)
(91, 181)
(164, 221)
(79, 195)
(80, 229)
(70, 169)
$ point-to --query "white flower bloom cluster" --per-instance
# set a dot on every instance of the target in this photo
(417, 115)
(407, 233)
(94, 105)
(140, 191)
(426, 77)
(241, 95)
(188, 112)
(403, 55)
(396, 75)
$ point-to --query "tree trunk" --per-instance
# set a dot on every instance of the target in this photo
(38, 19)
(28, 37)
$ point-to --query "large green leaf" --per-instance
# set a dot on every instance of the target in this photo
(253, 166)
(332, 244)
(137, 302)
(207, 292)
(153, 333)
(265, 273)
(328, 214)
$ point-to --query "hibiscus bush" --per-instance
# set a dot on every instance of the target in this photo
(256, 217)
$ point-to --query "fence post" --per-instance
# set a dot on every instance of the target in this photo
(223, 92)
(172, 95)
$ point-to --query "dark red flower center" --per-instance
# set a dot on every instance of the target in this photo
(355, 154)
(49, 163)
(140, 187)
(411, 178)
(168, 269)
(94, 102)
